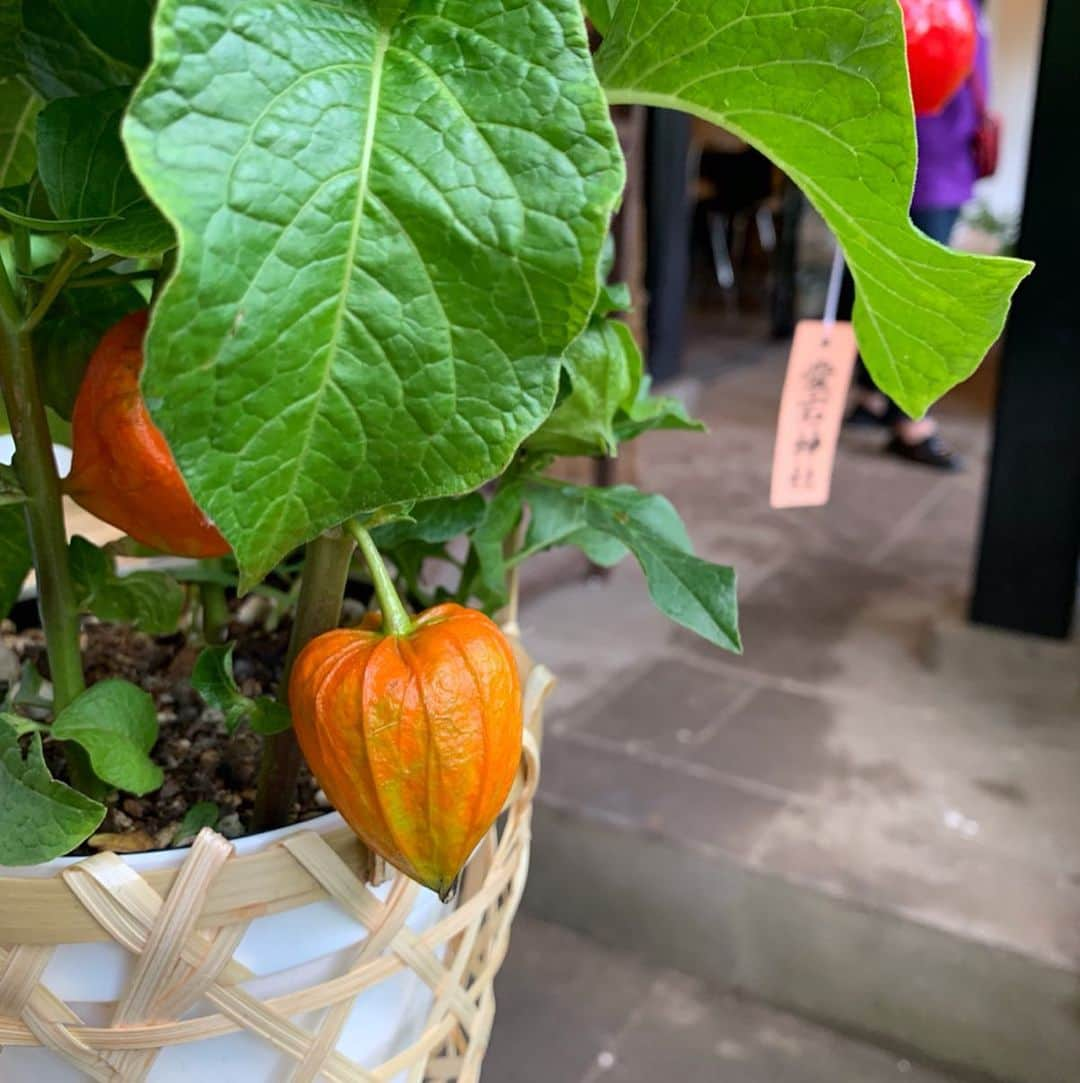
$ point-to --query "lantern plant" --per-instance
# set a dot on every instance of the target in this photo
(322, 288)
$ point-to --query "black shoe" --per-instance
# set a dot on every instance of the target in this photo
(862, 418)
(932, 452)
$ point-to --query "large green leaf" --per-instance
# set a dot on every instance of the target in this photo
(15, 556)
(821, 87)
(116, 723)
(81, 46)
(19, 107)
(390, 218)
(40, 818)
(86, 175)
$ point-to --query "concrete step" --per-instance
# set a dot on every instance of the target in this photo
(902, 865)
(572, 1011)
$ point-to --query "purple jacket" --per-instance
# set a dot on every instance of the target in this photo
(946, 174)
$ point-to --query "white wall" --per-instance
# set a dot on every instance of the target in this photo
(1016, 26)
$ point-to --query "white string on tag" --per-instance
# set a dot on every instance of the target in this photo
(832, 297)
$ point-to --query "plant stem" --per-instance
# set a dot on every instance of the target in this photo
(215, 612)
(36, 470)
(75, 254)
(318, 609)
(395, 617)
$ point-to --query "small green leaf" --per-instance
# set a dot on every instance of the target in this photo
(604, 367)
(81, 46)
(821, 87)
(693, 592)
(86, 174)
(21, 726)
(152, 601)
(201, 814)
(501, 516)
(554, 521)
(268, 716)
(11, 59)
(11, 490)
(212, 677)
(69, 334)
(648, 412)
(433, 521)
(600, 13)
(40, 817)
(116, 723)
(15, 556)
(19, 107)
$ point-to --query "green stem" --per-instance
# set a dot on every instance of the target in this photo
(36, 470)
(395, 617)
(75, 254)
(318, 609)
(215, 612)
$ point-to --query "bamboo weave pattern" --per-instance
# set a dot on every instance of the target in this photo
(179, 961)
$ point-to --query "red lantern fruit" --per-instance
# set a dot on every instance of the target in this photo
(941, 40)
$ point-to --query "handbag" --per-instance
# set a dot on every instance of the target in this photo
(986, 139)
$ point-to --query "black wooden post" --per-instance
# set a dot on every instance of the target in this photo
(667, 264)
(1027, 569)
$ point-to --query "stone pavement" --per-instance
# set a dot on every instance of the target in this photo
(570, 1011)
(869, 748)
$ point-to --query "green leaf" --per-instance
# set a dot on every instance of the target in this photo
(268, 716)
(600, 13)
(11, 60)
(502, 515)
(74, 47)
(212, 677)
(69, 334)
(821, 87)
(19, 107)
(648, 412)
(693, 592)
(40, 817)
(433, 521)
(555, 520)
(21, 726)
(86, 175)
(150, 600)
(604, 367)
(201, 814)
(15, 556)
(11, 490)
(390, 218)
(116, 723)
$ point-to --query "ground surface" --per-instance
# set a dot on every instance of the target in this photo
(868, 742)
(569, 1011)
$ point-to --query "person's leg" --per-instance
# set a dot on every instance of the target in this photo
(871, 407)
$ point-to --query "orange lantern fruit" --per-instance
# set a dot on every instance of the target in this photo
(414, 734)
(122, 470)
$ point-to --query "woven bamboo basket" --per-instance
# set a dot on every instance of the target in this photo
(183, 983)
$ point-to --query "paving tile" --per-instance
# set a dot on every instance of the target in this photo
(782, 739)
(560, 1001)
(653, 798)
(666, 699)
(689, 1034)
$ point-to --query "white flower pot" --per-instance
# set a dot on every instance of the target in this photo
(263, 960)
(285, 951)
